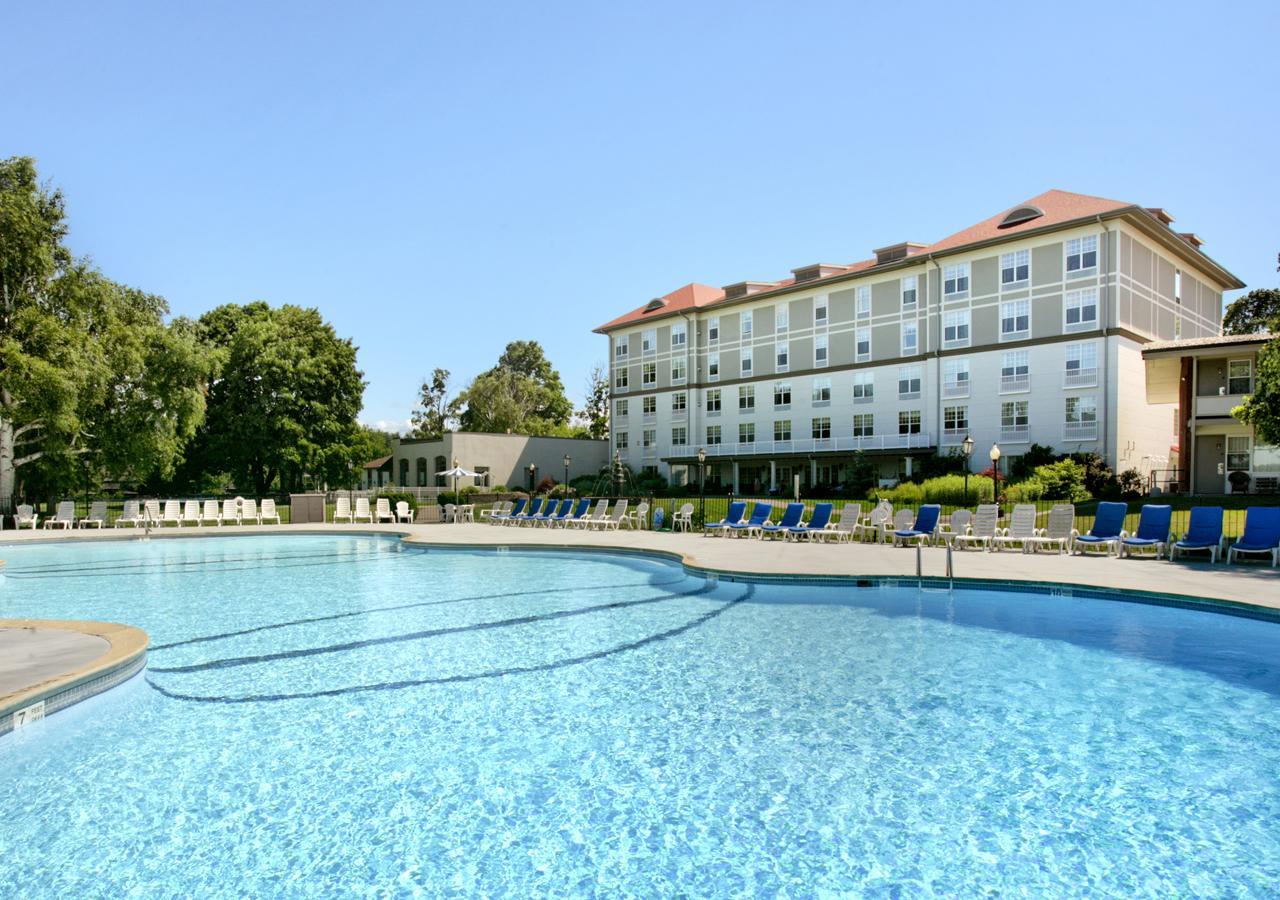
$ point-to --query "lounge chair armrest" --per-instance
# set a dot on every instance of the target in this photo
(1123, 534)
(1075, 532)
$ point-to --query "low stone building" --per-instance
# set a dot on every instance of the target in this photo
(514, 460)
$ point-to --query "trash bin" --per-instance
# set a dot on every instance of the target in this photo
(304, 508)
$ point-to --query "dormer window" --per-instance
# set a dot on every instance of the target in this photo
(1020, 216)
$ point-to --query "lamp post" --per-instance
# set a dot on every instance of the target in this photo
(995, 473)
(533, 473)
(567, 460)
(967, 446)
(702, 485)
(456, 498)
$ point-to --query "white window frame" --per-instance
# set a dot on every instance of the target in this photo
(958, 323)
(1246, 452)
(1013, 382)
(913, 422)
(746, 361)
(781, 431)
(620, 440)
(679, 371)
(1078, 302)
(621, 379)
(715, 435)
(912, 328)
(958, 417)
(679, 335)
(649, 341)
(862, 336)
(820, 387)
(746, 397)
(1079, 249)
(746, 432)
(713, 367)
(1080, 423)
(953, 386)
(1015, 263)
(862, 302)
(864, 386)
(782, 387)
(1085, 371)
(955, 281)
(621, 347)
(864, 425)
(717, 397)
(781, 318)
(679, 401)
(648, 375)
(782, 356)
(912, 377)
(679, 435)
(1021, 308)
(821, 351)
(820, 304)
(1021, 409)
(649, 406)
(713, 330)
(1248, 363)
(621, 409)
(746, 325)
(818, 424)
(910, 286)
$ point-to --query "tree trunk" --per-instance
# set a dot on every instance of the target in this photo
(7, 469)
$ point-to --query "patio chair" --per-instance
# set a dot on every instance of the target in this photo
(596, 515)
(64, 516)
(957, 523)
(817, 526)
(737, 509)
(25, 514)
(209, 512)
(362, 511)
(403, 512)
(1022, 528)
(1154, 522)
(791, 517)
(614, 519)
(1261, 534)
(535, 507)
(269, 512)
(172, 514)
(1059, 534)
(151, 512)
(97, 517)
(759, 515)
(342, 510)
(551, 511)
(514, 509)
(850, 516)
(383, 511)
(230, 512)
(638, 518)
(564, 512)
(683, 519)
(873, 525)
(497, 509)
(129, 515)
(249, 512)
(1107, 530)
(1204, 532)
(580, 510)
(191, 512)
(922, 530)
(449, 513)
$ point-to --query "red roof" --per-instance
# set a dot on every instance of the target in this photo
(688, 297)
(1058, 206)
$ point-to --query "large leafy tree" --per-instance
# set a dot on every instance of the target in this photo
(282, 408)
(1255, 311)
(432, 417)
(1261, 409)
(596, 412)
(91, 376)
(523, 393)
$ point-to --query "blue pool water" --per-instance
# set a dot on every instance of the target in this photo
(334, 716)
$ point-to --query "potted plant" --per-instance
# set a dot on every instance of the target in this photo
(1239, 482)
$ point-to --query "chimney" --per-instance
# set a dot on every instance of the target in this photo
(1191, 238)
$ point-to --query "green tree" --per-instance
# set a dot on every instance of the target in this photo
(431, 419)
(283, 406)
(1261, 409)
(596, 412)
(523, 393)
(1254, 312)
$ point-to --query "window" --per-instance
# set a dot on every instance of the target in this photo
(649, 438)
(746, 432)
(909, 292)
(955, 420)
(1015, 372)
(864, 425)
(1081, 365)
(620, 379)
(747, 397)
(864, 387)
(746, 361)
(862, 342)
(1015, 319)
(782, 394)
(713, 401)
(955, 328)
(1081, 418)
(909, 421)
(679, 335)
(713, 330)
(782, 430)
(713, 435)
(679, 401)
(620, 439)
(1080, 309)
(1238, 453)
(679, 369)
(1082, 254)
(1014, 423)
(1239, 376)
(909, 382)
(648, 374)
(862, 307)
(820, 312)
(782, 317)
(822, 390)
(1015, 268)
(649, 341)
(713, 366)
(649, 406)
(621, 346)
(620, 409)
(819, 350)
(782, 353)
(955, 281)
(747, 324)
(1177, 286)
(955, 378)
(910, 338)
(679, 436)
(821, 428)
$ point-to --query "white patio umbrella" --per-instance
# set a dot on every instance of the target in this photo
(455, 473)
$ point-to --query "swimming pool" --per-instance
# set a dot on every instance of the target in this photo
(337, 715)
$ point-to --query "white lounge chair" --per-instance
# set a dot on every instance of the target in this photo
(957, 523)
(151, 512)
(875, 525)
(850, 517)
(637, 518)
(599, 514)
(97, 517)
(362, 511)
(683, 519)
(230, 512)
(64, 516)
(1059, 533)
(249, 512)
(984, 527)
(1022, 528)
(209, 512)
(614, 519)
(384, 513)
(191, 512)
(502, 506)
(172, 513)
(25, 514)
(403, 512)
(130, 515)
(269, 512)
(342, 510)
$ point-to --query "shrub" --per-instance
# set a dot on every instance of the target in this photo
(1021, 467)
(1099, 480)
(545, 485)
(1130, 483)
(394, 497)
(948, 490)
(1026, 491)
(1063, 480)
(462, 496)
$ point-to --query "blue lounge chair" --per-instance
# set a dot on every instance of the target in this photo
(1204, 532)
(736, 510)
(816, 527)
(1107, 530)
(514, 511)
(791, 517)
(1153, 531)
(1261, 534)
(535, 506)
(759, 515)
(580, 511)
(924, 528)
(553, 513)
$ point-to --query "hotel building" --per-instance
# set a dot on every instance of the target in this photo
(1025, 328)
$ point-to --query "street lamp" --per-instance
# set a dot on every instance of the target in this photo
(967, 446)
(702, 485)
(533, 473)
(567, 460)
(456, 498)
(995, 472)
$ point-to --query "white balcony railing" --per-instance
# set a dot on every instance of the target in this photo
(1016, 434)
(921, 441)
(1075, 378)
(1080, 431)
(1015, 384)
(955, 389)
(954, 435)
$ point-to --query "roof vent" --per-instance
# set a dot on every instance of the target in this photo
(1192, 238)
(816, 271)
(895, 252)
(1162, 214)
(655, 304)
(743, 288)
(1020, 215)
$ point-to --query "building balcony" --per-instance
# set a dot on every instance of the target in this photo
(952, 436)
(955, 389)
(1078, 378)
(1015, 384)
(1019, 434)
(921, 441)
(1080, 431)
(1218, 405)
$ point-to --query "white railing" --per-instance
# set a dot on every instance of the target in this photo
(1080, 431)
(1015, 434)
(954, 435)
(849, 444)
(1015, 384)
(1080, 378)
(954, 389)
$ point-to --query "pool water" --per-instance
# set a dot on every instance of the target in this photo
(337, 715)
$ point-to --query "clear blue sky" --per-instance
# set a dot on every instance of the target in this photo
(442, 178)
